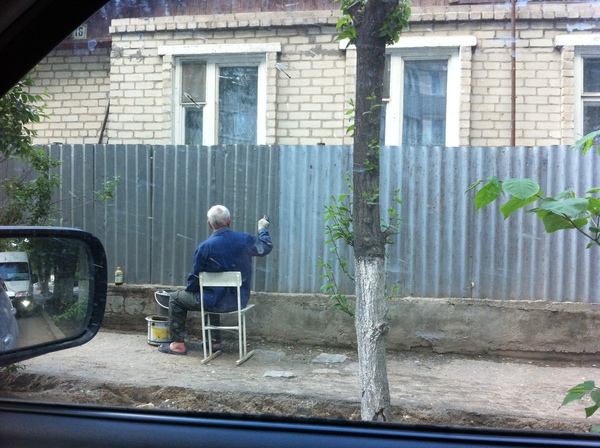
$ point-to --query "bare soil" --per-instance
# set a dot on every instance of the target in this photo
(119, 369)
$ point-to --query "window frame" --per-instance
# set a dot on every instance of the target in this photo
(581, 97)
(451, 47)
(215, 56)
(395, 106)
(576, 46)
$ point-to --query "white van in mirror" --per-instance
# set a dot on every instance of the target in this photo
(15, 270)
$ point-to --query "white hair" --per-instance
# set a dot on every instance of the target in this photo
(218, 216)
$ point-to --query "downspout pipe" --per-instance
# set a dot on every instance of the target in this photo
(513, 73)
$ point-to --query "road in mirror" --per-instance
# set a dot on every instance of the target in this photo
(44, 290)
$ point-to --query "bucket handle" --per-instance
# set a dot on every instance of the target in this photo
(156, 298)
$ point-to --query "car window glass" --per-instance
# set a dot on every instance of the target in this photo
(153, 111)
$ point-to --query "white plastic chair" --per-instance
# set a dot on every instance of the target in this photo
(223, 279)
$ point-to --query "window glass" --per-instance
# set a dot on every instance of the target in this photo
(591, 92)
(193, 124)
(14, 271)
(591, 75)
(238, 97)
(145, 76)
(424, 107)
(193, 81)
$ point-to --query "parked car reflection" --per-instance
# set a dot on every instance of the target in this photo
(9, 329)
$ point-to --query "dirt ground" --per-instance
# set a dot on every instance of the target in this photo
(122, 369)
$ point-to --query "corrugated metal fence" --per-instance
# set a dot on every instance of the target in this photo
(445, 248)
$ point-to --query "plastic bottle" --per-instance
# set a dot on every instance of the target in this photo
(118, 276)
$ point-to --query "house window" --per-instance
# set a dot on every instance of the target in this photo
(218, 102)
(590, 93)
(421, 103)
(220, 92)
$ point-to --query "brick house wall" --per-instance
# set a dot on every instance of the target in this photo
(77, 82)
(308, 100)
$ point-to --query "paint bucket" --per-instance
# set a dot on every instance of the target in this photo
(158, 330)
(162, 302)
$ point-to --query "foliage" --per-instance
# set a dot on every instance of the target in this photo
(75, 311)
(108, 191)
(10, 369)
(18, 109)
(567, 210)
(338, 228)
(338, 218)
(579, 392)
(29, 201)
(396, 20)
(27, 195)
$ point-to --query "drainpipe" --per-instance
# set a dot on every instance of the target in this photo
(103, 130)
(513, 74)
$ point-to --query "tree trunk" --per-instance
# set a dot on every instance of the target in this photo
(369, 240)
(371, 328)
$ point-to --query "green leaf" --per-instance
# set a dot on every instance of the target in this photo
(586, 142)
(553, 222)
(569, 207)
(521, 188)
(515, 204)
(565, 194)
(595, 429)
(488, 193)
(473, 185)
(595, 396)
(593, 190)
(580, 222)
(571, 397)
(589, 411)
(578, 392)
(594, 205)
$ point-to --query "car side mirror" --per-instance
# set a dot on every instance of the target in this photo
(66, 307)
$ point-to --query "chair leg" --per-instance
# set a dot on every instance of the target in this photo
(240, 326)
(244, 354)
(245, 358)
(207, 342)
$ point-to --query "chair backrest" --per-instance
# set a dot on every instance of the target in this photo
(233, 278)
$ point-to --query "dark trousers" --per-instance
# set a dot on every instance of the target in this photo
(180, 303)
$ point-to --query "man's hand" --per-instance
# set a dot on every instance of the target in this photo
(263, 223)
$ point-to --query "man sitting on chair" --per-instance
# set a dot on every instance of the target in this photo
(224, 250)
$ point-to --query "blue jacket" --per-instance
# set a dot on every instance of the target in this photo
(226, 250)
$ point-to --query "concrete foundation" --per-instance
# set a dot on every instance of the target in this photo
(463, 326)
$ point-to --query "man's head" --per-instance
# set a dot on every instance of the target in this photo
(218, 217)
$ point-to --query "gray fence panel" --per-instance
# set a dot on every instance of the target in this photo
(310, 176)
(123, 224)
(188, 180)
(444, 247)
(447, 249)
(76, 196)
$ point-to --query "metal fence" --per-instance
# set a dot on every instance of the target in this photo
(444, 249)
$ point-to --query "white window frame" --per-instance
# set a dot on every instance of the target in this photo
(424, 47)
(584, 45)
(394, 110)
(215, 56)
(580, 97)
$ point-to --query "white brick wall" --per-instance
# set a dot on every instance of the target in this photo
(78, 88)
(309, 106)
